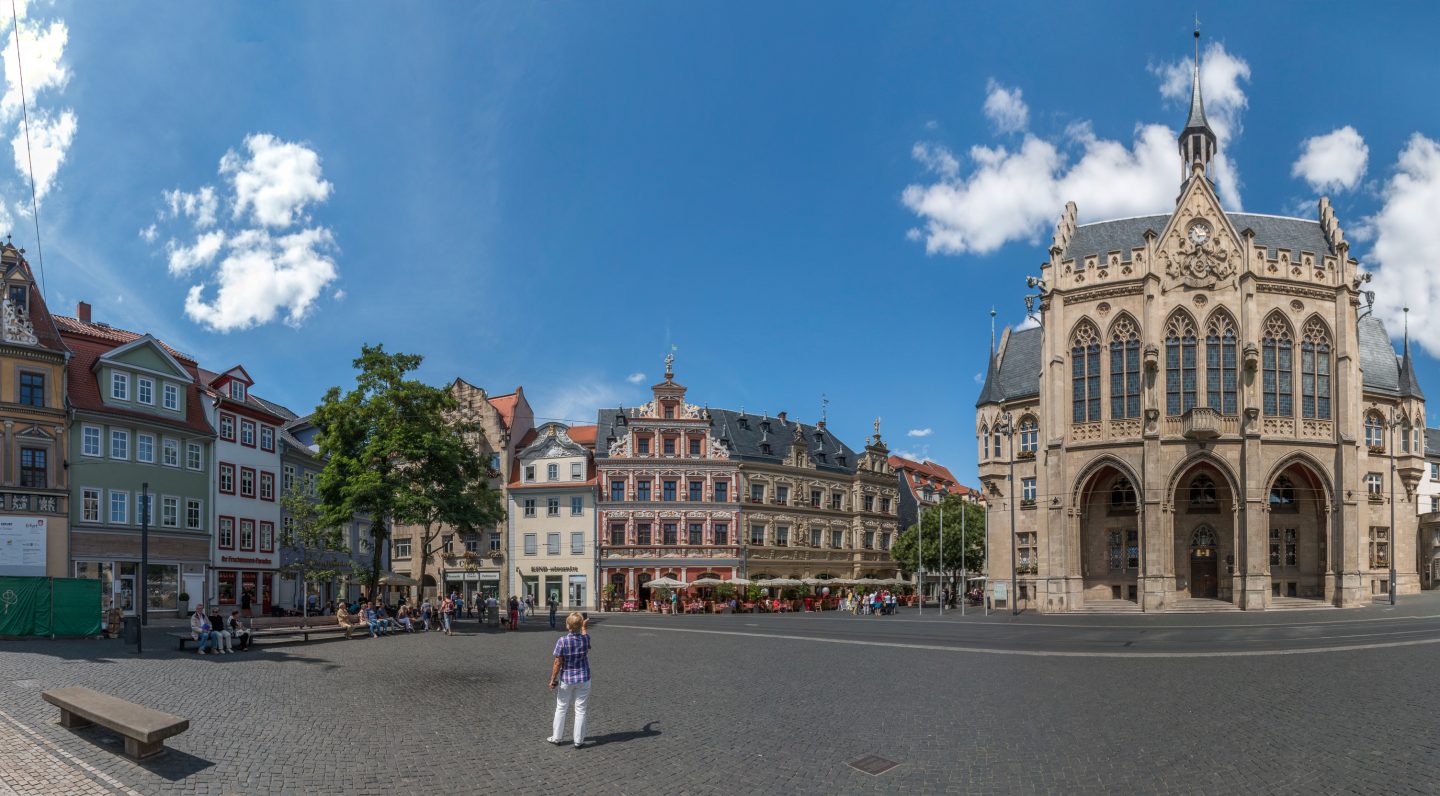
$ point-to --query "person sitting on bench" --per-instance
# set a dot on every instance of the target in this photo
(371, 619)
(347, 620)
(403, 618)
(239, 633)
(201, 631)
(223, 639)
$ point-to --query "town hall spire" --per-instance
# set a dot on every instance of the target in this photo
(1197, 141)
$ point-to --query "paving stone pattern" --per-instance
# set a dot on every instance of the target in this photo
(681, 713)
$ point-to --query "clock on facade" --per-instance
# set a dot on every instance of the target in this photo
(1199, 232)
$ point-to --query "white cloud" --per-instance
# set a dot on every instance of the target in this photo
(635, 378)
(1016, 194)
(201, 205)
(920, 432)
(914, 455)
(184, 259)
(268, 262)
(1407, 244)
(1221, 74)
(276, 182)
(1332, 162)
(1006, 108)
(579, 400)
(261, 276)
(149, 234)
(979, 377)
(41, 54)
(50, 139)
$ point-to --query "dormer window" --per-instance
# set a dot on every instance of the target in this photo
(120, 386)
(18, 295)
(237, 390)
(743, 423)
(765, 448)
(765, 426)
(669, 413)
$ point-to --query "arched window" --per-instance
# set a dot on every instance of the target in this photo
(1085, 373)
(1122, 494)
(1220, 382)
(1278, 353)
(1124, 368)
(1202, 492)
(1203, 537)
(1405, 429)
(995, 442)
(1315, 371)
(1374, 431)
(1180, 384)
(984, 441)
(1282, 495)
(1029, 434)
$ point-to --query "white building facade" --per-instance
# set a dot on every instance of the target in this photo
(551, 505)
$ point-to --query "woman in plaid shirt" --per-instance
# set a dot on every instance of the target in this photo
(570, 673)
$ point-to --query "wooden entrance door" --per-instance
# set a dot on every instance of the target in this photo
(1204, 575)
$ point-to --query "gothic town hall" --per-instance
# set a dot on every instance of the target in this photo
(1207, 410)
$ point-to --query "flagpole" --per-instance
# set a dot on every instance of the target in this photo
(920, 558)
(941, 593)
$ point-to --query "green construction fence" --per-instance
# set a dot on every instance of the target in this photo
(49, 607)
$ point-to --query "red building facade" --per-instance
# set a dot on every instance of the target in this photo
(668, 494)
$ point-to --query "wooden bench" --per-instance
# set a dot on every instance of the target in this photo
(144, 730)
(285, 628)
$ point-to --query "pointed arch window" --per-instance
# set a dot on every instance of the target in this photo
(1122, 494)
(1221, 390)
(1124, 368)
(1278, 352)
(984, 441)
(1085, 373)
(1315, 371)
(1180, 381)
(1029, 435)
(1282, 495)
(1374, 431)
(1405, 429)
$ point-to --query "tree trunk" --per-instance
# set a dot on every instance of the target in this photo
(425, 536)
(377, 533)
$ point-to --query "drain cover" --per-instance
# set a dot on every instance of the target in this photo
(874, 765)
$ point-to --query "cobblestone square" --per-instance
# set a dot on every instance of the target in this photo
(769, 703)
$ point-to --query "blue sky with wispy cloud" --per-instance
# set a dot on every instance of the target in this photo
(805, 199)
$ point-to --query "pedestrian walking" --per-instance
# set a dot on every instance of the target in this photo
(570, 678)
(514, 612)
(524, 607)
(447, 609)
(552, 611)
(246, 600)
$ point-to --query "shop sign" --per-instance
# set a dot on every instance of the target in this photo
(22, 546)
(554, 569)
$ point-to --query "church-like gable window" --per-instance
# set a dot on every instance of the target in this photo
(1085, 373)
(1315, 371)
(1278, 352)
(1124, 368)
(1374, 431)
(1220, 381)
(984, 441)
(1029, 435)
(1180, 381)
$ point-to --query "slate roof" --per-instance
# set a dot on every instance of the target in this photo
(1432, 443)
(255, 402)
(1019, 374)
(744, 435)
(1125, 234)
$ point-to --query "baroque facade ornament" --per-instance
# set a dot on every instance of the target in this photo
(1198, 261)
(16, 327)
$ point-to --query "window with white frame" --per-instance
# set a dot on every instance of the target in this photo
(247, 433)
(577, 543)
(170, 395)
(577, 471)
(145, 390)
(170, 453)
(237, 390)
(90, 441)
(267, 486)
(194, 514)
(552, 507)
(531, 544)
(577, 505)
(247, 534)
(402, 548)
(227, 479)
(529, 505)
(119, 444)
(120, 386)
(1027, 490)
(226, 533)
(119, 507)
(89, 504)
(529, 473)
(170, 512)
(227, 427)
(1374, 484)
(194, 456)
(267, 438)
(287, 478)
(145, 509)
(552, 472)
(552, 544)
(145, 448)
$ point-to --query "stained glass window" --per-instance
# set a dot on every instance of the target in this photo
(1220, 383)
(1180, 379)
(1315, 371)
(1124, 368)
(1277, 364)
(1085, 373)
(1202, 492)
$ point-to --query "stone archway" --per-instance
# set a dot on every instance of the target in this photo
(1204, 509)
(1296, 537)
(1109, 534)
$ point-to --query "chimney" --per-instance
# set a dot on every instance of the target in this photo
(782, 418)
(821, 424)
(82, 311)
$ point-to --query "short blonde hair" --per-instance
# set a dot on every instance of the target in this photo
(573, 621)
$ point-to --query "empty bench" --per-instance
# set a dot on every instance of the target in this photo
(143, 729)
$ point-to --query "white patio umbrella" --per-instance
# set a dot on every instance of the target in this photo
(738, 581)
(783, 583)
(666, 583)
(706, 582)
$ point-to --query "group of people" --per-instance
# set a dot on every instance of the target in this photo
(216, 636)
(875, 603)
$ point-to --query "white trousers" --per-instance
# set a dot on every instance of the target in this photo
(579, 693)
(224, 640)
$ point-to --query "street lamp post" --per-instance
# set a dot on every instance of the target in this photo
(1008, 430)
(1390, 545)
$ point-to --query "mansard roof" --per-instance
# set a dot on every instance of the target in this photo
(1432, 443)
(1124, 234)
(1019, 373)
(744, 435)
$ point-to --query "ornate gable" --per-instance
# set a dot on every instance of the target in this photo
(1199, 248)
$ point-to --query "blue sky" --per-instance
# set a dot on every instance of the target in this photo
(553, 194)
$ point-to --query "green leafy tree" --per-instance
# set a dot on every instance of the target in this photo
(318, 547)
(395, 452)
(964, 540)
